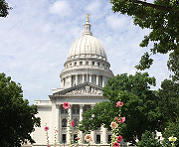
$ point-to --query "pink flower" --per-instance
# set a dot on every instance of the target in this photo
(88, 138)
(123, 119)
(119, 138)
(72, 123)
(115, 144)
(113, 125)
(75, 131)
(65, 105)
(57, 131)
(117, 120)
(48, 146)
(78, 138)
(119, 103)
(46, 128)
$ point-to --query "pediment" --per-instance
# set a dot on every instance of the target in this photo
(81, 89)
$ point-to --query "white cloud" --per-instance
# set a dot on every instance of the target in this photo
(61, 8)
(94, 6)
(117, 22)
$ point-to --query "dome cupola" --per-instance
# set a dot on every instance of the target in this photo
(87, 45)
(86, 61)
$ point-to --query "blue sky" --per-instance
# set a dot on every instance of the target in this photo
(37, 35)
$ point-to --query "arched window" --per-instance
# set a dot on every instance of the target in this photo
(64, 122)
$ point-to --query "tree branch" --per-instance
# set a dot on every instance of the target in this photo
(169, 9)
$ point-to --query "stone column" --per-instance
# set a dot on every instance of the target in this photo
(90, 78)
(93, 132)
(97, 79)
(68, 134)
(83, 78)
(103, 81)
(80, 119)
(54, 120)
(59, 124)
(76, 78)
(104, 136)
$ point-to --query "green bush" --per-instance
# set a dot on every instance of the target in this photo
(171, 130)
(149, 140)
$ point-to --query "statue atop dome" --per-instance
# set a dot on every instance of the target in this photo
(87, 17)
(87, 27)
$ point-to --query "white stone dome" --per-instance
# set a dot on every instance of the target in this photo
(86, 46)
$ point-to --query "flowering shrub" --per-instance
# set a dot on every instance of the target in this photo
(172, 140)
(115, 126)
(66, 105)
(72, 123)
(88, 138)
(46, 128)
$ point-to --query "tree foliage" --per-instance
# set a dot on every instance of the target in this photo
(4, 8)
(16, 115)
(149, 140)
(169, 102)
(161, 17)
(140, 106)
(171, 130)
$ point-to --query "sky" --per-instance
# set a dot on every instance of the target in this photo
(37, 34)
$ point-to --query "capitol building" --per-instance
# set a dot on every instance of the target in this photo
(86, 71)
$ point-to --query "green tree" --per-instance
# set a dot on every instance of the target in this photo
(4, 8)
(17, 116)
(160, 17)
(140, 106)
(169, 102)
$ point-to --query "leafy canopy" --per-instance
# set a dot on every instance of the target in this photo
(161, 17)
(16, 115)
(140, 106)
(169, 102)
(4, 8)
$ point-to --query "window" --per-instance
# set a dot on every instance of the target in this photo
(63, 138)
(64, 122)
(100, 80)
(81, 63)
(98, 139)
(75, 138)
(75, 110)
(76, 122)
(98, 64)
(64, 111)
(87, 62)
(85, 108)
(94, 79)
(75, 64)
(93, 63)
(109, 139)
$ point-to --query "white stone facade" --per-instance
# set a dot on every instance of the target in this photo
(85, 73)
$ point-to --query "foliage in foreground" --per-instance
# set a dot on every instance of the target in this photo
(171, 130)
(4, 8)
(16, 115)
(149, 140)
(160, 17)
